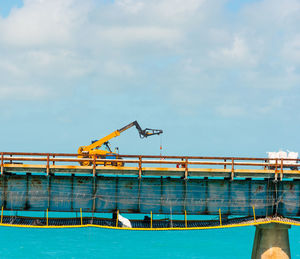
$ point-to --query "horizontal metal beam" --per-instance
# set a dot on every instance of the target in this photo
(151, 171)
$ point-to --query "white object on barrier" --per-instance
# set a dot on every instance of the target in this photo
(125, 222)
(292, 155)
(272, 155)
(282, 155)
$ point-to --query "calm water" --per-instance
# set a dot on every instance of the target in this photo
(102, 243)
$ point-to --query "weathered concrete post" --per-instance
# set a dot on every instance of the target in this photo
(271, 241)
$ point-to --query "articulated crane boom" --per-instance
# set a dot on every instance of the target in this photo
(94, 149)
(143, 133)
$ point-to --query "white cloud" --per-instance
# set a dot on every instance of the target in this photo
(124, 36)
(162, 11)
(272, 12)
(270, 106)
(22, 92)
(59, 44)
(120, 70)
(9, 69)
(178, 10)
(131, 6)
(291, 49)
(236, 54)
(43, 23)
(230, 110)
(238, 51)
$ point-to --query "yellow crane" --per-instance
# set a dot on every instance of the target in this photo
(95, 150)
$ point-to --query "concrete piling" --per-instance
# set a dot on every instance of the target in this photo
(271, 241)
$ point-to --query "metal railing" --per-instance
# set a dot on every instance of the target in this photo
(178, 163)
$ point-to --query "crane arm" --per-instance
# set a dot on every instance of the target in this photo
(143, 134)
(100, 142)
(128, 126)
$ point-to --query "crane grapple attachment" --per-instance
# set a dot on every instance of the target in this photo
(144, 133)
(149, 132)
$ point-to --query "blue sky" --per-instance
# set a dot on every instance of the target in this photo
(6, 6)
(219, 77)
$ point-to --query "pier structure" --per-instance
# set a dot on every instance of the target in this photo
(238, 191)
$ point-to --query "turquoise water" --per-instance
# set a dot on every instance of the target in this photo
(104, 243)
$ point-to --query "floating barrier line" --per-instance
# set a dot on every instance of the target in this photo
(155, 229)
(261, 221)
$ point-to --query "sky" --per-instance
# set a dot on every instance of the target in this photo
(220, 77)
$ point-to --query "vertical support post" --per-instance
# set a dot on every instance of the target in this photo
(185, 219)
(48, 158)
(281, 169)
(2, 215)
(2, 163)
(225, 164)
(81, 216)
(139, 195)
(117, 220)
(151, 220)
(53, 162)
(220, 217)
(94, 194)
(265, 167)
(47, 218)
(140, 166)
(254, 214)
(271, 241)
(232, 168)
(276, 161)
(49, 191)
(186, 168)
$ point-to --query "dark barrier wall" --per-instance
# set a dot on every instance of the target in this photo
(159, 195)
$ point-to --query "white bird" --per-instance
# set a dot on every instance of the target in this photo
(125, 222)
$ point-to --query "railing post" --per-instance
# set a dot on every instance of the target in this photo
(81, 216)
(185, 219)
(281, 169)
(2, 163)
(140, 166)
(220, 217)
(186, 168)
(276, 163)
(232, 168)
(53, 162)
(225, 164)
(265, 167)
(48, 160)
(151, 220)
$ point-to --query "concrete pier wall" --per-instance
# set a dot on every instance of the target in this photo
(271, 242)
